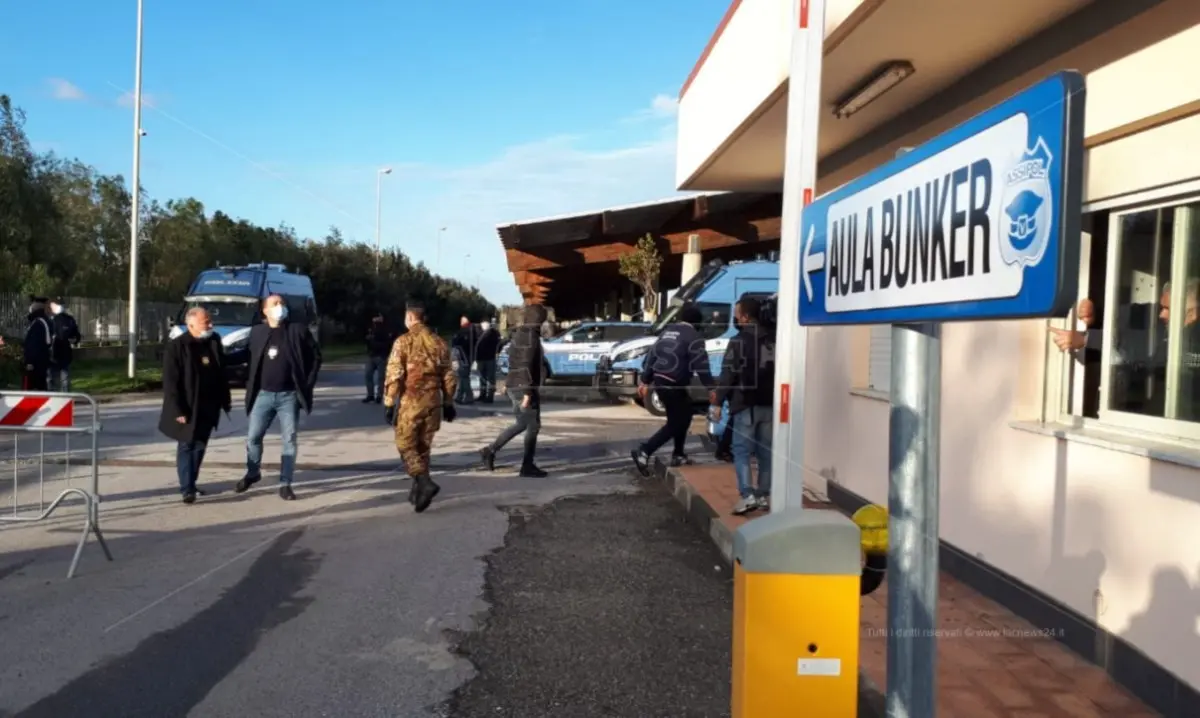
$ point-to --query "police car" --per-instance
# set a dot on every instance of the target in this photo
(574, 354)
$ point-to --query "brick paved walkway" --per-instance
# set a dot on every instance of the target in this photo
(997, 667)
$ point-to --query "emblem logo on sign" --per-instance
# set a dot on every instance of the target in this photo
(272, 353)
(1028, 207)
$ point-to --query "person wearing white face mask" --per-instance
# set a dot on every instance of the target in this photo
(66, 337)
(195, 393)
(284, 363)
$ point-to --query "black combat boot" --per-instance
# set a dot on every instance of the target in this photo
(424, 490)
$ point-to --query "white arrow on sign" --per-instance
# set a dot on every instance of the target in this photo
(812, 262)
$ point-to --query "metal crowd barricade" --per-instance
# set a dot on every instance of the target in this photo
(42, 414)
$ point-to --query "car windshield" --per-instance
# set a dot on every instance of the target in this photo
(225, 313)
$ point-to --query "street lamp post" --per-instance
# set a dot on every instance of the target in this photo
(438, 267)
(135, 192)
(379, 210)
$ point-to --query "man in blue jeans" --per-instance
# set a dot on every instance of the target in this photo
(284, 362)
(747, 382)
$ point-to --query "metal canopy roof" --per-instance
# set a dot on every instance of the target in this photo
(627, 220)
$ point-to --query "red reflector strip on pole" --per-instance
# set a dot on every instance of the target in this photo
(25, 408)
(785, 403)
(807, 196)
(803, 18)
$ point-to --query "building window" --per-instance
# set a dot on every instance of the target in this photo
(1150, 336)
(879, 369)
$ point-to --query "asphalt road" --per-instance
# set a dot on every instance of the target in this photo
(344, 602)
(602, 606)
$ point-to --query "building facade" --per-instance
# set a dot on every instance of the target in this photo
(1073, 476)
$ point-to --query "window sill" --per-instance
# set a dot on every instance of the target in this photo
(1116, 441)
(875, 394)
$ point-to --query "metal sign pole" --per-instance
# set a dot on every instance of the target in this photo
(799, 181)
(913, 493)
(914, 433)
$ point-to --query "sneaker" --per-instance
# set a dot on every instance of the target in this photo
(245, 483)
(726, 456)
(745, 505)
(189, 497)
(532, 472)
(764, 502)
(286, 493)
(369, 400)
(680, 460)
(489, 458)
(642, 461)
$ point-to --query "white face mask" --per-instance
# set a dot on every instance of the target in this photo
(205, 333)
(277, 312)
(55, 309)
(485, 326)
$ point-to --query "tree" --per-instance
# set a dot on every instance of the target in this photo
(641, 266)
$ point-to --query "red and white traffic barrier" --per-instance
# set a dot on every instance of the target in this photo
(36, 411)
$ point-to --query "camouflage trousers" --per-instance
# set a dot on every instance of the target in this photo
(415, 428)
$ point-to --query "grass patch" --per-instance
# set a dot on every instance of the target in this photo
(341, 353)
(110, 376)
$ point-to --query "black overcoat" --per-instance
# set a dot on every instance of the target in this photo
(194, 386)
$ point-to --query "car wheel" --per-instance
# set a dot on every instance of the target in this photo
(653, 404)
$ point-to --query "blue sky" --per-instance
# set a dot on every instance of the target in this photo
(282, 110)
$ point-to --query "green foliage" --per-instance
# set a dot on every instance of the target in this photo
(64, 228)
(641, 266)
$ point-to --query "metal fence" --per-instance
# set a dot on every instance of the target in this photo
(46, 421)
(103, 321)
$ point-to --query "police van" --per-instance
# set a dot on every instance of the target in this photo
(714, 290)
(573, 355)
(233, 296)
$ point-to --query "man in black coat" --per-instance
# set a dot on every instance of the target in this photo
(195, 393)
(523, 385)
(66, 338)
(485, 360)
(462, 352)
(284, 363)
(39, 340)
(379, 345)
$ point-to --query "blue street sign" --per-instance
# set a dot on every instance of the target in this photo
(981, 222)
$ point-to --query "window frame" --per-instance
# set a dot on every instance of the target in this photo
(1063, 386)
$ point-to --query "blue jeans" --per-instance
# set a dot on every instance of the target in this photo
(268, 405)
(752, 435)
(374, 376)
(60, 377)
(188, 457)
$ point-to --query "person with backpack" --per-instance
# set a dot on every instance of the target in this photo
(37, 348)
(747, 382)
(677, 355)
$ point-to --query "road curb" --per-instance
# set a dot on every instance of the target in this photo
(871, 702)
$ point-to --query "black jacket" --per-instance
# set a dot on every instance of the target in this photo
(465, 341)
(379, 341)
(488, 346)
(305, 358)
(525, 361)
(39, 337)
(748, 370)
(678, 353)
(66, 338)
(194, 386)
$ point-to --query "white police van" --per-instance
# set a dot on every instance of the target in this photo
(714, 290)
(233, 297)
(574, 354)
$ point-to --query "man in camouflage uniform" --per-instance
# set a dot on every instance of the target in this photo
(418, 392)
